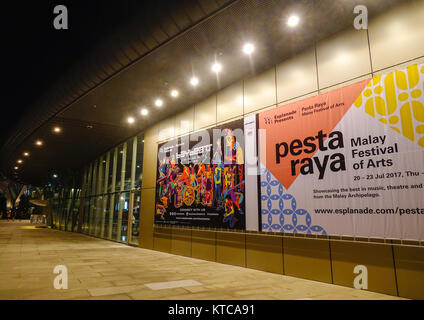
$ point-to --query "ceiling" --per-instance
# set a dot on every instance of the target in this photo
(147, 57)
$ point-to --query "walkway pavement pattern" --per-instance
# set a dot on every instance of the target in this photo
(100, 269)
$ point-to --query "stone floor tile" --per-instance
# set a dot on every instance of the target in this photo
(100, 269)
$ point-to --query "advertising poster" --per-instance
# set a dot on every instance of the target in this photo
(200, 179)
(349, 162)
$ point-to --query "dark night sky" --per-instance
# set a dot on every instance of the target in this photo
(34, 54)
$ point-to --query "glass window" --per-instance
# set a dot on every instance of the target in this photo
(89, 180)
(135, 222)
(106, 205)
(115, 216)
(108, 172)
(94, 178)
(68, 211)
(120, 217)
(101, 178)
(55, 209)
(62, 208)
(86, 214)
(128, 164)
(110, 214)
(139, 162)
(105, 221)
(119, 168)
(123, 217)
(98, 217)
(75, 211)
(92, 212)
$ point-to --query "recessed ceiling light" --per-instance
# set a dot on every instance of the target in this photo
(248, 48)
(174, 93)
(16, 168)
(57, 129)
(194, 81)
(39, 143)
(216, 67)
(26, 154)
(144, 112)
(293, 21)
(158, 103)
(55, 176)
(19, 161)
(131, 120)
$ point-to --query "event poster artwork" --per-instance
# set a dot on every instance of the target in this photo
(349, 162)
(200, 179)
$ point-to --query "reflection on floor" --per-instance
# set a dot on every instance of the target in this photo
(99, 269)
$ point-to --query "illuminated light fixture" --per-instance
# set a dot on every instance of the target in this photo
(55, 176)
(39, 143)
(26, 154)
(16, 168)
(248, 48)
(19, 161)
(144, 112)
(216, 67)
(175, 93)
(131, 120)
(57, 129)
(158, 103)
(194, 81)
(293, 21)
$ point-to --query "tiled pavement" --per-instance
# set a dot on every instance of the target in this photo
(100, 269)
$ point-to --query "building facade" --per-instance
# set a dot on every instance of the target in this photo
(118, 196)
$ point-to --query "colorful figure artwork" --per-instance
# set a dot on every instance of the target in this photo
(208, 192)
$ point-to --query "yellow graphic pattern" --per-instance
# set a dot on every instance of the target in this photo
(397, 100)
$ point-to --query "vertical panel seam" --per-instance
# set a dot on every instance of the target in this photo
(282, 252)
(245, 249)
(216, 107)
(153, 238)
(276, 87)
(194, 118)
(243, 93)
(316, 66)
(191, 242)
(331, 262)
(394, 268)
(369, 52)
(216, 246)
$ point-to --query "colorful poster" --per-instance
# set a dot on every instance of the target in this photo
(200, 179)
(349, 162)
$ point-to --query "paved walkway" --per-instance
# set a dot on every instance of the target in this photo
(100, 269)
